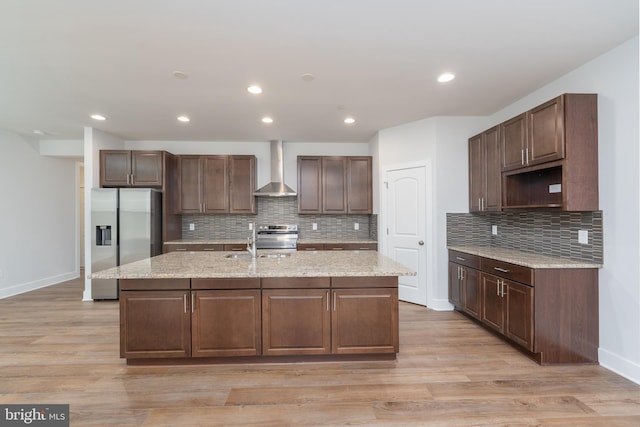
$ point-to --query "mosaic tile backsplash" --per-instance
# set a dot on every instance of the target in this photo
(280, 210)
(549, 233)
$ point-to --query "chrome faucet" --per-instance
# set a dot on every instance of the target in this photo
(251, 241)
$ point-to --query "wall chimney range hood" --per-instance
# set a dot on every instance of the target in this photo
(277, 187)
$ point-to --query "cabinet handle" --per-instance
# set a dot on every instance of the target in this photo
(184, 300)
(309, 249)
(181, 250)
(501, 269)
(336, 249)
(193, 302)
(479, 206)
(522, 157)
(327, 300)
(498, 287)
(461, 273)
(527, 155)
(209, 249)
(502, 289)
(460, 258)
(482, 204)
(334, 300)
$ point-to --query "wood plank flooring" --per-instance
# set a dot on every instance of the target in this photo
(54, 348)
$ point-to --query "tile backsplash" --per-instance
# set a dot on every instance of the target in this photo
(280, 210)
(549, 233)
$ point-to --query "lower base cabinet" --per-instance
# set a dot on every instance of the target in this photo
(552, 313)
(197, 318)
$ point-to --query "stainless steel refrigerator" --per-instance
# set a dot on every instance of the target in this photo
(126, 226)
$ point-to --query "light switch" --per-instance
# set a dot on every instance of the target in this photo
(583, 237)
(494, 230)
(356, 226)
(314, 226)
(192, 227)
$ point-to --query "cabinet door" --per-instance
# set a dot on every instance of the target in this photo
(190, 169)
(364, 321)
(215, 184)
(493, 176)
(471, 292)
(115, 168)
(519, 313)
(226, 323)
(146, 168)
(492, 302)
(334, 188)
(455, 285)
(513, 137)
(309, 185)
(154, 324)
(359, 185)
(477, 177)
(546, 132)
(242, 184)
(295, 322)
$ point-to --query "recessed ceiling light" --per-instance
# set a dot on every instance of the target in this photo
(256, 90)
(349, 120)
(308, 77)
(446, 77)
(184, 119)
(267, 120)
(98, 117)
(38, 132)
(180, 74)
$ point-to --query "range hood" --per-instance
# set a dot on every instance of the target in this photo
(277, 187)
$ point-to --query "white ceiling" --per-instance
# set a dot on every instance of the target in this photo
(375, 60)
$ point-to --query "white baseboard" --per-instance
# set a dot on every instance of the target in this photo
(621, 366)
(440, 305)
(37, 284)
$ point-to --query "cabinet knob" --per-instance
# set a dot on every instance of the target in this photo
(421, 242)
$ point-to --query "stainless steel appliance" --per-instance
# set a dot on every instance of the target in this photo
(283, 236)
(126, 226)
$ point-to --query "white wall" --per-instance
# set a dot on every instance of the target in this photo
(38, 234)
(441, 141)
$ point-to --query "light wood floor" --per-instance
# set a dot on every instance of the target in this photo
(54, 348)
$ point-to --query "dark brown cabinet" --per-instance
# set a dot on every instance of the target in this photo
(558, 165)
(127, 168)
(296, 322)
(226, 323)
(484, 172)
(551, 313)
(334, 185)
(464, 283)
(192, 247)
(217, 184)
(364, 320)
(327, 246)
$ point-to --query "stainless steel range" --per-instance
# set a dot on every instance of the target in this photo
(283, 236)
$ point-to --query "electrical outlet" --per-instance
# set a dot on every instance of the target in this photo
(250, 226)
(356, 226)
(494, 230)
(314, 226)
(192, 227)
(583, 237)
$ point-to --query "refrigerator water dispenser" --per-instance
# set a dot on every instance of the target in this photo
(103, 235)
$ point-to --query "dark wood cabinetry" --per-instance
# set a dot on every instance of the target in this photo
(558, 165)
(217, 184)
(127, 168)
(328, 246)
(484, 172)
(464, 283)
(334, 185)
(550, 313)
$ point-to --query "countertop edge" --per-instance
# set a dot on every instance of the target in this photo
(525, 259)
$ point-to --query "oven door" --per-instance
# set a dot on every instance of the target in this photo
(274, 241)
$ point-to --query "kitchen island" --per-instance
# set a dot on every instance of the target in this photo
(221, 307)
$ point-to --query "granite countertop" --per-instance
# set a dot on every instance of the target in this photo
(297, 264)
(525, 259)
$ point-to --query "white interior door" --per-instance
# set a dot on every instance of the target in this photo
(406, 235)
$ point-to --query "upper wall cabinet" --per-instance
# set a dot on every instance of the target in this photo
(553, 163)
(126, 168)
(334, 185)
(217, 184)
(484, 171)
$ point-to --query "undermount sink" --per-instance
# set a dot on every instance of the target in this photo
(241, 255)
(274, 255)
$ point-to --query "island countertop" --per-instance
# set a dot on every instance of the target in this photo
(296, 264)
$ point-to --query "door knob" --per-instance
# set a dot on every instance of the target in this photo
(421, 242)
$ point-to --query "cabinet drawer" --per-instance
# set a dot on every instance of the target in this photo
(188, 247)
(465, 259)
(295, 282)
(154, 284)
(365, 282)
(310, 246)
(507, 270)
(226, 283)
(350, 246)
